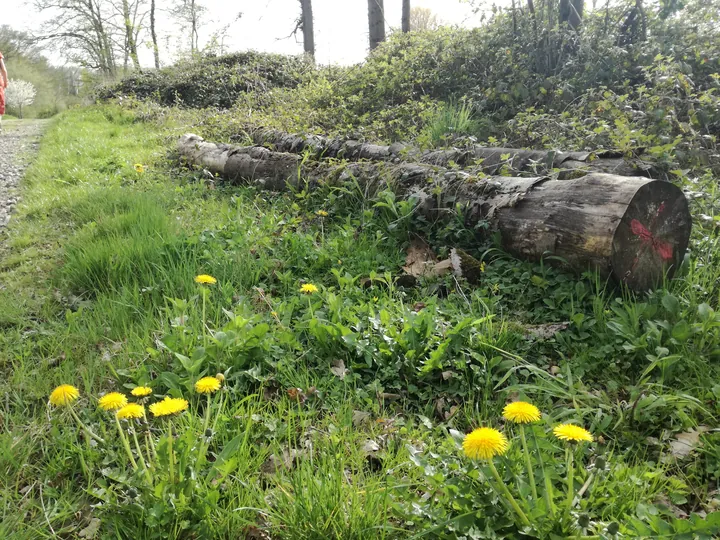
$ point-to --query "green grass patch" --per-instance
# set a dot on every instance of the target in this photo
(342, 410)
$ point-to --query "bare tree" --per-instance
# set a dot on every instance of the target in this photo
(153, 35)
(306, 23)
(190, 13)
(406, 16)
(423, 19)
(130, 32)
(571, 12)
(376, 20)
(83, 29)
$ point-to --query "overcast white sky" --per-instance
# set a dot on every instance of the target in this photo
(341, 34)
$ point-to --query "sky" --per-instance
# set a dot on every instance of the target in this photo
(341, 34)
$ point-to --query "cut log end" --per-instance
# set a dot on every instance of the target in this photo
(651, 239)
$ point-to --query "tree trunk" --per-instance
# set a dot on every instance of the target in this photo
(153, 34)
(130, 35)
(634, 229)
(307, 28)
(194, 38)
(504, 161)
(376, 20)
(571, 12)
(406, 16)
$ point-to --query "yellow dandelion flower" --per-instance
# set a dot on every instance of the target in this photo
(204, 279)
(207, 385)
(168, 406)
(131, 410)
(112, 401)
(141, 391)
(139, 168)
(322, 213)
(64, 395)
(521, 412)
(308, 288)
(485, 443)
(573, 433)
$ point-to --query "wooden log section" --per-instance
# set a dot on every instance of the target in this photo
(490, 160)
(633, 228)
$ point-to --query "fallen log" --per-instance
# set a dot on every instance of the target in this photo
(635, 229)
(490, 160)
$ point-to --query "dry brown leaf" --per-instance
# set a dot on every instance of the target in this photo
(360, 417)
(545, 331)
(338, 369)
(420, 259)
(91, 530)
(684, 443)
(370, 447)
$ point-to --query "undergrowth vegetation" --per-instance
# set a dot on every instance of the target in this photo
(315, 396)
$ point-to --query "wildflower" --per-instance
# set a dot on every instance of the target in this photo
(274, 313)
(112, 401)
(485, 443)
(64, 395)
(139, 168)
(496, 288)
(204, 279)
(168, 406)
(308, 288)
(521, 412)
(131, 410)
(207, 385)
(141, 391)
(322, 213)
(482, 266)
(573, 433)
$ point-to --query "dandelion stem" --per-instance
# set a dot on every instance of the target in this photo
(141, 458)
(549, 492)
(149, 444)
(125, 442)
(508, 496)
(171, 457)
(85, 428)
(570, 480)
(203, 437)
(528, 463)
(204, 295)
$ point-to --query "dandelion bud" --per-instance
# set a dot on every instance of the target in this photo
(583, 521)
(132, 493)
(208, 433)
(613, 528)
(220, 377)
(600, 463)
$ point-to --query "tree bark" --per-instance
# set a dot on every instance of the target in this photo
(406, 16)
(634, 229)
(130, 35)
(376, 22)
(488, 160)
(571, 12)
(307, 28)
(153, 34)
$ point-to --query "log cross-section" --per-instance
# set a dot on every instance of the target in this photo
(633, 228)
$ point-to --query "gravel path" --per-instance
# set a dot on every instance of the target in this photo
(18, 144)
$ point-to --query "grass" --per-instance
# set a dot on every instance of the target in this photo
(339, 407)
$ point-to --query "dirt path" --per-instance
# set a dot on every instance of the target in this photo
(18, 144)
